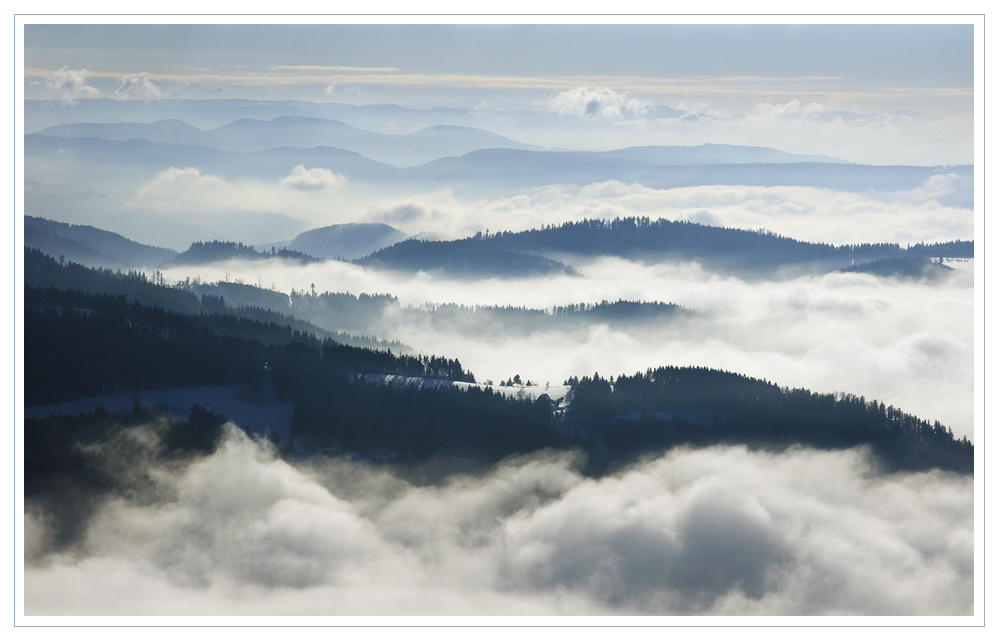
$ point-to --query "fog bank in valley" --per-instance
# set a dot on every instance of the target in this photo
(804, 213)
(905, 343)
(176, 205)
(713, 531)
(317, 197)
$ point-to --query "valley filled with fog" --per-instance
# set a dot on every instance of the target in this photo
(717, 531)
(908, 343)
(783, 288)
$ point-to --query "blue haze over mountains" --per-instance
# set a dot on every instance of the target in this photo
(249, 135)
(488, 170)
(114, 155)
(78, 169)
(210, 114)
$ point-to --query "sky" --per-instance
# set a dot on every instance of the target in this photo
(796, 86)
(929, 56)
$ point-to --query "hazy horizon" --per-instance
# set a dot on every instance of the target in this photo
(871, 94)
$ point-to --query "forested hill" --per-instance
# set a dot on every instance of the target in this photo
(201, 253)
(465, 258)
(720, 249)
(717, 247)
(84, 345)
(80, 345)
(668, 406)
(41, 271)
(366, 312)
(91, 246)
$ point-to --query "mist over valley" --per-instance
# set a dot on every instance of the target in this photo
(554, 336)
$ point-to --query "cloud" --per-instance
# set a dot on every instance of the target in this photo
(793, 109)
(71, 84)
(303, 193)
(137, 87)
(175, 180)
(936, 187)
(597, 103)
(712, 531)
(311, 179)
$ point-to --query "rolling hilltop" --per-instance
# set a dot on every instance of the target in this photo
(91, 246)
(719, 249)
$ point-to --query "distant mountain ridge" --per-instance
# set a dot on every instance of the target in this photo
(716, 154)
(536, 252)
(208, 114)
(518, 168)
(489, 171)
(347, 241)
(724, 250)
(425, 145)
(139, 156)
(252, 135)
(719, 248)
(211, 113)
(462, 259)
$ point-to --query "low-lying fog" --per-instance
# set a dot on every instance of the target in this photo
(905, 343)
(811, 214)
(180, 205)
(711, 531)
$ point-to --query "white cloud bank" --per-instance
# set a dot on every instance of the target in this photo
(311, 179)
(303, 193)
(71, 84)
(318, 197)
(598, 102)
(137, 87)
(713, 531)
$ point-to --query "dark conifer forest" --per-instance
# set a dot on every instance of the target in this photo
(670, 406)
(466, 258)
(201, 253)
(725, 250)
(42, 271)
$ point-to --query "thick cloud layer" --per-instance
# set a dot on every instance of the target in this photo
(713, 531)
